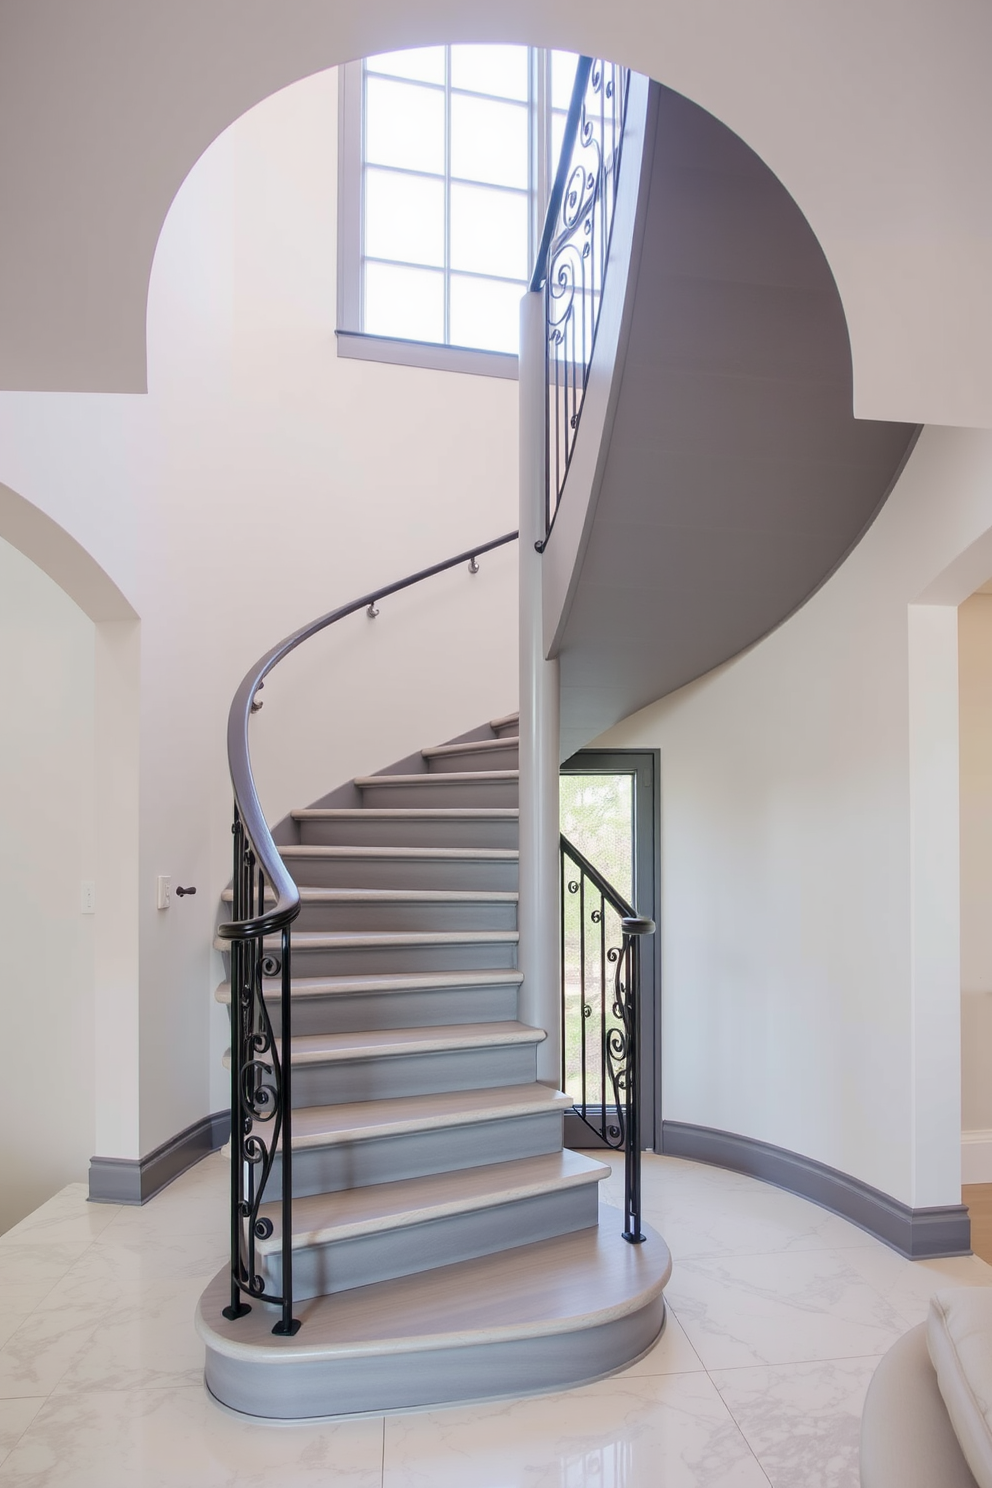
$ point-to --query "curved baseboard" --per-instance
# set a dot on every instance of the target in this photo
(918, 1234)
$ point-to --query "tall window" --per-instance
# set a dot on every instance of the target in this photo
(456, 149)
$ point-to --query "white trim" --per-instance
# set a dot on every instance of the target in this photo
(976, 1156)
(429, 354)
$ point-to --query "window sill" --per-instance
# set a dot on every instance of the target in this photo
(357, 345)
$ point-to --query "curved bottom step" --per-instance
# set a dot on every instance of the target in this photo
(537, 1318)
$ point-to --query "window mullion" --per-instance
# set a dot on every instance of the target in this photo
(447, 195)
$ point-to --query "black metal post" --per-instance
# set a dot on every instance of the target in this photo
(287, 1324)
(633, 928)
(237, 1308)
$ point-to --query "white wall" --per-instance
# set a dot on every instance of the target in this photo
(975, 671)
(810, 854)
(260, 482)
(876, 116)
(47, 848)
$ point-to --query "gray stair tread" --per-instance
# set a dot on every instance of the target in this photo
(454, 777)
(468, 746)
(567, 1284)
(319, 1048)
(329, 940)
(424, 981)
(405, 813)
(495, 723)
(322, 1218)
(397, 896)
(318, 1126)
(408, 854)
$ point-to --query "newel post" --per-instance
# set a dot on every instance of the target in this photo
(539, 759)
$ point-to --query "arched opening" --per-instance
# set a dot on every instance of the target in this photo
(68, 845)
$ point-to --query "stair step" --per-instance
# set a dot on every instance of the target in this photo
(342, 952)
(363, 909)
(506, 727)
(544, 1316)
(361, 1236)
(486, 829)
(331, 1048)
(380, 1141)
(457, 788)
(386, 1064)
(346, 1004)
(466, 868)
(473, 754)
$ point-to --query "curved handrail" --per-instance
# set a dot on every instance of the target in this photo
(287, 905)
(582, 70)
(612, 896)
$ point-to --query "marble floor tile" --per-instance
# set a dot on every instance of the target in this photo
(130, 1259)
(775, 1309)
(181, 1439)
(671, 1430)
(15, 1417)
(803, 1422)
(65, 1219)
(908, 1285)
(28, 1272)
(37, 1355)
(148, 1341)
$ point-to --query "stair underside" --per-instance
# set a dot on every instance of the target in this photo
(538, 1317)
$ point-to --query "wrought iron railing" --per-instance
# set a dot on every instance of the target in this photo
(601, 1015)
(572, 258)
(261, 948)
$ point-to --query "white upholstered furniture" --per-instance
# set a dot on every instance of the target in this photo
(927, 1420)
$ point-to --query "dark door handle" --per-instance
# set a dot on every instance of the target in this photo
(181, 892)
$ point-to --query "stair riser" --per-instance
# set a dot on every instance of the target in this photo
(429, 791)
(397, 832)
(508, 730)
(414, 1154)
(375, 1010)
(362, 918)
(413, 1074)
(482, 759)
(396, 873)
(396, 1381)
(337, 1267)
(371, 960)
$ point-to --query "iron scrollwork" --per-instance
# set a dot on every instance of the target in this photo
(260, 1099)
(601, 984)
(577, 248)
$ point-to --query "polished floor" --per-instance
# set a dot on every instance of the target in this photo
(778, 1313)
(978, 1197)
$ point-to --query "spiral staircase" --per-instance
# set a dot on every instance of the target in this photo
(445, 1246)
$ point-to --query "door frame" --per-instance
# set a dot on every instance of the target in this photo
(645, 766)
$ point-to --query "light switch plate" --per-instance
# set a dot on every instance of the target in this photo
(87, 896)
(163, 890)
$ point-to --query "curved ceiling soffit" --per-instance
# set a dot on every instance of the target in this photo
(58, 554)
(188, 110)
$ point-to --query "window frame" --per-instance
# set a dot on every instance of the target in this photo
(352, 341)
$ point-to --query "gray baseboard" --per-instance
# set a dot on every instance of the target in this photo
(918, 1234)
(125, 1180)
